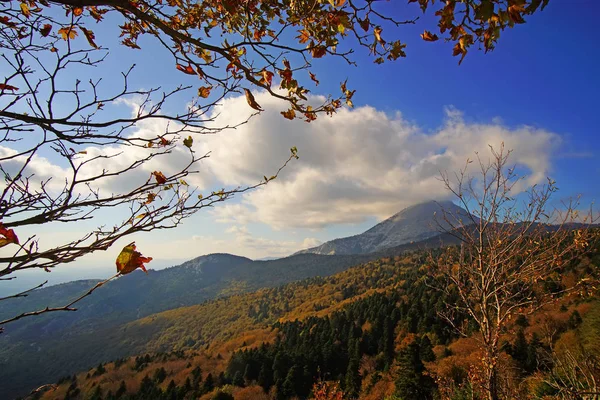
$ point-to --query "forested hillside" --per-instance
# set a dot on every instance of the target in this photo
(373, 331)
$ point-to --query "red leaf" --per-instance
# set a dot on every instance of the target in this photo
(45, 31)
(4, 86)
(187, 70)
(9, 236)
(129, 260)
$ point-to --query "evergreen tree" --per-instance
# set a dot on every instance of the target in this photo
(352, 379)
(171, 392)
(208, 384)
(520, 347)
(426, 350)
(159, 375)
(96, 394)
(122, 390)
(238, 379)
(411, 383)
(265, 377)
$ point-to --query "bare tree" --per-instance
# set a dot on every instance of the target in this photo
(511, 247)
(575, 375)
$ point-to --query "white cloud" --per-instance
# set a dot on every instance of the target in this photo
(357, 164)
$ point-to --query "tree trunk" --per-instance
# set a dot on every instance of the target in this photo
(491, 377)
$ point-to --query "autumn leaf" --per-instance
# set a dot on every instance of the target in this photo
(7, 236)
(45, 31)
(188, 142)
(303, 37)
(429, 37)
(25, 10)
(251, 101)
(364, 23)
(289, 114)
(89, 35)
(4, 86)
(6, 21)
(151, 197)
(314, 78)
(204, 91)
(68, 32)
(77, 11)
(377, 32)
(187, 70)
(318, 51)
(267, 76)
(129, 260)
(160, 177)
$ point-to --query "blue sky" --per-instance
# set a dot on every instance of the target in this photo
(539, 87)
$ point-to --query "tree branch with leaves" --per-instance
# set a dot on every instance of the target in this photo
(219, 48)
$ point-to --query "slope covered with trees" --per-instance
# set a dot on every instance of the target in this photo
(374, 329)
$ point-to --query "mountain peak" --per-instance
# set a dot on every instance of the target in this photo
(414, 223)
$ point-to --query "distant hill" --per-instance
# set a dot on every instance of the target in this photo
(413, 224)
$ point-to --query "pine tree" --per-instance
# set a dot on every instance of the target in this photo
(122, 390)
(411, 383)
(208, 384)
(426, 350)
(520, 348)
(352, 379)
(238, 379)
(265, 377)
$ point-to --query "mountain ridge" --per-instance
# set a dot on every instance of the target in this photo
(412, 224)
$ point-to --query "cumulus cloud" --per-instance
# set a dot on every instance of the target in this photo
(357, 164)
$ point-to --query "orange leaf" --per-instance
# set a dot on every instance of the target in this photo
(45, 31)
(187, 70)
(303, 37)
(151, 197)
(4, 86)
(129, 260)
(68, 32)
(314, 78)
(429, 37)
(9, 236)
(204, 91)
(160, 177)
(77, 11)
(89, 35)
(251, 101)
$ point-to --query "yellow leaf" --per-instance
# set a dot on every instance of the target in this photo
(25, 10)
